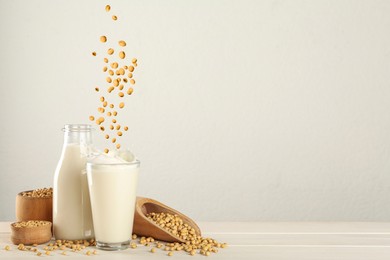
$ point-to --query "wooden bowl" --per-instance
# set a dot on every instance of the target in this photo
(28, 208)
(31, 235)
(145, 227)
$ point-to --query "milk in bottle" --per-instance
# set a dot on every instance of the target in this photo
(72, 217)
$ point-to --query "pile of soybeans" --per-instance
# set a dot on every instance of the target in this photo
(39, 193)
(175, 225)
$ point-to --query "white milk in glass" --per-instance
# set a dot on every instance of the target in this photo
(112, 185)
(72, 216)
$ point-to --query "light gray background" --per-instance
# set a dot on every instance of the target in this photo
(243, 110)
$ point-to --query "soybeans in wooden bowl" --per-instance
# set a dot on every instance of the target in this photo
(35, 204)
(31, 232)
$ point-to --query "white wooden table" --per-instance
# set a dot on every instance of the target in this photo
(263, 241)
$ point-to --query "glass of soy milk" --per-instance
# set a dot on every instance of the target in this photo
(112, 182)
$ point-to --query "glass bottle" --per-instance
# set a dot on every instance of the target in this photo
(72, 216)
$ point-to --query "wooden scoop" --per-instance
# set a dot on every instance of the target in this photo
(147, 228)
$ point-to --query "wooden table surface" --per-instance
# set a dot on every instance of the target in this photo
(259, 240)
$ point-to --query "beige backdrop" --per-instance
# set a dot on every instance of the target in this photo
(243, 110)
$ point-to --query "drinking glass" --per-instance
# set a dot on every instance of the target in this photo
(112, 189)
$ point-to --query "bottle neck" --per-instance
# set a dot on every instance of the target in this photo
(78, 137)
(79, 134)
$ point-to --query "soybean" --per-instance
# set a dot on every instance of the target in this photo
(116, 82)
